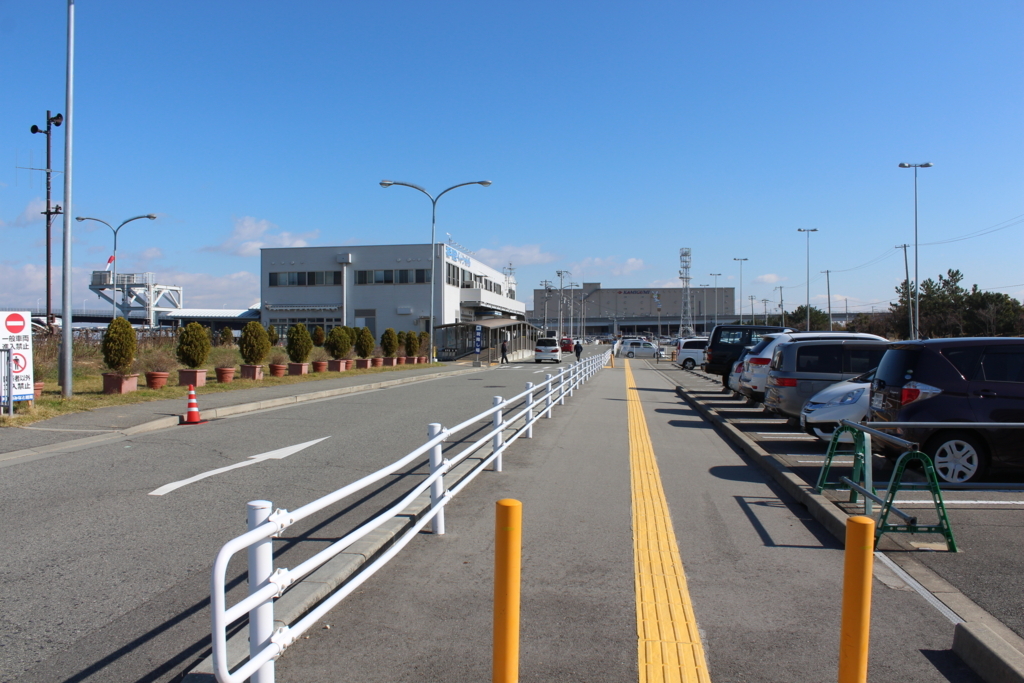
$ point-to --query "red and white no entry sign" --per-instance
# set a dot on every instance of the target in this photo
(15, 323)
(19, 362)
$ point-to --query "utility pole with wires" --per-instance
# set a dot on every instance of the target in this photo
(782, 306)
(562, 274)
(752, 300)
(546, 284)
(910, 305)
(828, 293)
(765, 302)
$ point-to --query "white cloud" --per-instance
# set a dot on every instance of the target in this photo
(33, 213)
(593, 267)
(769, 279)
(522, 255)
(665, 284)
(250, 235)
(151, 254)
(202, 290)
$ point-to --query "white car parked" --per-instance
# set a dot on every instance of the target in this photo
(842, 401)
(690, 352)
(546, 348)
(640, 349)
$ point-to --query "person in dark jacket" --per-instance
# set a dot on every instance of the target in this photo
(504, 351)
(578, 349)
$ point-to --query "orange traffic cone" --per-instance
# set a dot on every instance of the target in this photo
(192, 416)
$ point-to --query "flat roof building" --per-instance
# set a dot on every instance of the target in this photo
(381, 286)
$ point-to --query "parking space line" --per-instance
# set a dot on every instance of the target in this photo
(669, 645)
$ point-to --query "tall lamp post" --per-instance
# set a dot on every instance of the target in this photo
(51, 210)
(113, 281)
(741, 260)
(433, 244)
(716, 275)
(917, 289)
(808, 231)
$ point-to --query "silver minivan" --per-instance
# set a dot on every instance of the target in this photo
(800, 369)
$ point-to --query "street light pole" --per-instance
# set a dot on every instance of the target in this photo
(808, 231)
(562, 274)
(741, 260)
(433, 246)
(917, 289)
(715, 275)
(828, 291)
(113, 281)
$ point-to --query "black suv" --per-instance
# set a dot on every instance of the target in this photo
(727, 343)
(965, 381)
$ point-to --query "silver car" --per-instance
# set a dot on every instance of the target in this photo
(635, 348)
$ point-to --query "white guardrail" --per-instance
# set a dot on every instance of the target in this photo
(266, 583)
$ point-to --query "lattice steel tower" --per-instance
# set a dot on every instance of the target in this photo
(685, 313)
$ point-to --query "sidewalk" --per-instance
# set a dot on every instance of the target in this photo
(76, 429)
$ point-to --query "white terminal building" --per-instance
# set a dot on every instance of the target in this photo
(382, 286)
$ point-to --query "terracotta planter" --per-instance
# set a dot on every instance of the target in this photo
(298, 368)
(114, 383)
(37, 389)
(362, 363)
(349, 363)
(423, 359)
(195, 377)
(337, 365)
(400, 359)
(278, 370)
(377, 362)
(320, 366)
(156, 380)
(225, 375)
(254, 372)
(389, 362)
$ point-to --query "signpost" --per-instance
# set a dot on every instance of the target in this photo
(16, 336)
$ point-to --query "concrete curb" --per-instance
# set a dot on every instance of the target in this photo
(995, 658)
(225, 411)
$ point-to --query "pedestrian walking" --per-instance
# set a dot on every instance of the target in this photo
(504, 351)
(578, 349)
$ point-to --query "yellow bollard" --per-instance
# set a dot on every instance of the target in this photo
(508, 544)
(856, 624)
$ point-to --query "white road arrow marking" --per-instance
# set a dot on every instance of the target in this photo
(251, 460)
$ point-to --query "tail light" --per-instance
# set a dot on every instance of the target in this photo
(759, 361)
(739, 367)
(707, 354)
(782, 381)
(917, 391)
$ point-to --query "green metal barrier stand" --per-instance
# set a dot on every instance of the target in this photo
(861, 462)
(942, 527)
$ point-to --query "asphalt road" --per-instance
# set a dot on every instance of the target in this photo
(107, 582)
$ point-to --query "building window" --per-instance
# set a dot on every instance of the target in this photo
(422, 275)
(306, 279)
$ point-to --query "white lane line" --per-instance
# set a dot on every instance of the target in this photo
(251, 460)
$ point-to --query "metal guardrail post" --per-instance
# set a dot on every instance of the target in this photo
(572, 377)
(561, 386)
(496, 440)
(437, 488)
(8, 379)
(547, 396)
(529, 410)
(261, 566)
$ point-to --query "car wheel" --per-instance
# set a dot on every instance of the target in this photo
(958, 457)
(629, 355)
(688, 364)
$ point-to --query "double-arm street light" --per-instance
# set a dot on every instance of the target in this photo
(808, 305)
(916, 334)
(741, 260)
(433, 245)
(113, 281)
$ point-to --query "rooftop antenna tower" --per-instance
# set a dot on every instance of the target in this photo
(685, 313)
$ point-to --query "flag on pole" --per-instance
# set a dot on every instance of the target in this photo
(109, 261)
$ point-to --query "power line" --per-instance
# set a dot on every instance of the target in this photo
(1016, 220)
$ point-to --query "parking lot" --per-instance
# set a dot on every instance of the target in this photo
(987, 524)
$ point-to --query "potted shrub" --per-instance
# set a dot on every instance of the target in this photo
(412, 347)
(227, 337)
(400, 352)
(425, 351)
(364, 347)
(318, 359)
(389, 346)
(278, 362)
(193, 349)
(254, 345)
(119, 347)
(272, 334)
(318, 336)
(157, 365)
(338, 344)
(298, 346)
(224, 360)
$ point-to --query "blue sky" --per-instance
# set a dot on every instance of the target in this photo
(614, 134)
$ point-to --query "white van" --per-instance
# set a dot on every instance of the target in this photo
(690, 352)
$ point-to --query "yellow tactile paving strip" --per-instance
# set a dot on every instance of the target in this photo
(669, 646)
